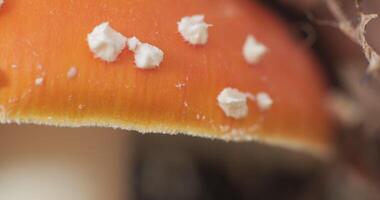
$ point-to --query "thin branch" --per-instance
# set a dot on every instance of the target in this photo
(356, 34)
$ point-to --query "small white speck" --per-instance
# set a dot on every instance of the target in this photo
(40, 67)
(14, 66)
(201, 117)
(147, 56)
(180, 85)
(233, 103)
(224, 128)
(253, 51)
(264, 101)
(81, 106)
(1, 3)
(39, 81)
(186, 104)
(194, 29)
(12, 100)
(72, 72)
(105, 42)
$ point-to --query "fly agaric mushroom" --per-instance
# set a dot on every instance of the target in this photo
(44, 39)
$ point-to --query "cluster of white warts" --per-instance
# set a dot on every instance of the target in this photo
(107, 44)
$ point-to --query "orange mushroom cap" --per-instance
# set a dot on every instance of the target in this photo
(45, 38)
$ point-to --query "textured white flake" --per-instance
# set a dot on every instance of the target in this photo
(264, 101)
(105, 42)
(253, 51)
(233, 103)
(147, 56)
(194, 29)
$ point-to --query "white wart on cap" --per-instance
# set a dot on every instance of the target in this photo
(253, 50)
(147, 56)
(105, 42)
(72, 72)
(39, 81)
(1, 3)
(264, 101)
(194, 29)
(233, 103)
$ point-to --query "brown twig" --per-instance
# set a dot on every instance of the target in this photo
(356, 33)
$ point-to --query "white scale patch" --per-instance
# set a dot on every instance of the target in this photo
(105, 42)
(194, 29)
(233, 103)
(147, 56)
(253, 51)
